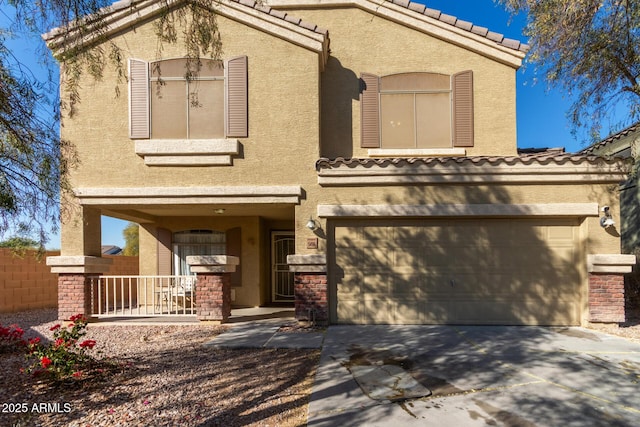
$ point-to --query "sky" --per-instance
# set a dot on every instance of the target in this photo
(541, 111)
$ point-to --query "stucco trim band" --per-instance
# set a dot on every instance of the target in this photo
(309, 263)
(455, 210)
(419, 152)
(610, 263)
(277, 194)
(183, 152)
(416, 171)
(213, 263)
(78, 264)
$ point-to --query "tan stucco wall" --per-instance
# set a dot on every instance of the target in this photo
(361, 43)
(595, 239)
(283, 117)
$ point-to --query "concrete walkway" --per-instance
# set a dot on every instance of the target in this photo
(265, 334)
(477, 376)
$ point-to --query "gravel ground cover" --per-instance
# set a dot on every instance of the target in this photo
(163, 377)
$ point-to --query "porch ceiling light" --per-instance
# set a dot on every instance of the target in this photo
(219, 211)
(311, 224)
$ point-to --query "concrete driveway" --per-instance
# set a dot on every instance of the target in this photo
(476, 376)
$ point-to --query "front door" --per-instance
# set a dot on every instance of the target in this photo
(282, 244)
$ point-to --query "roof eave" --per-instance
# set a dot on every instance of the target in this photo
(124, 14)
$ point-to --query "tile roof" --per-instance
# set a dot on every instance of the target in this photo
(611, 139)
(122, 4)
(498, 38)
(551, 158)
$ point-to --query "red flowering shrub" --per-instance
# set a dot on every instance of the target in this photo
(63, 358)
(11, 338)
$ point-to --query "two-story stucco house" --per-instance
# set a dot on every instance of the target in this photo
(356, 157)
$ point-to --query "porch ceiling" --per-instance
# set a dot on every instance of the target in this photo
(150, 213)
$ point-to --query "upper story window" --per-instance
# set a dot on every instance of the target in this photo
(187, 105)
(166, 101)
(417, 111)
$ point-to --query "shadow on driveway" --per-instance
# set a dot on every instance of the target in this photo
(478, 376)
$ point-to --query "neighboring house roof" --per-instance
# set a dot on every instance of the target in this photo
(618, 144)
(111, 250)
(125, 13)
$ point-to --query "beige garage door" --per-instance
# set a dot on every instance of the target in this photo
(455, 271)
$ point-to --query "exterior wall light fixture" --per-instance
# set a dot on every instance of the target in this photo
(312, 224)
(606, 220)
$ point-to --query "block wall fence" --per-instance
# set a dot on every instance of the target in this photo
(26, 283)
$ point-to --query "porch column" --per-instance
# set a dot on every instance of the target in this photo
(75, 274)
(310, 281)
(213, 288)
(606, 286)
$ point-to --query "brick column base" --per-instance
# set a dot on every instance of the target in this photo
(74, 295)
(213, 296)
(310, 281)
(606, 298)
(213, 289)
(74, 282)
(311, 300)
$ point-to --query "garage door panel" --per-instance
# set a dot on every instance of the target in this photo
(378, 310)
(378, 283)
(564, 233)
(350, 311)
(435, 311)
(410, 284)
(375, 257)
(349, 284)
(376, 234)
(437, 256)
(491, 311)
(349, 258)
(458, 271)
(407, 311)
(408, 256)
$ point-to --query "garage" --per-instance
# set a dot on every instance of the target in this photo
(457, 271)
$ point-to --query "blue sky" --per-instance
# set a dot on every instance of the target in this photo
(541, 111)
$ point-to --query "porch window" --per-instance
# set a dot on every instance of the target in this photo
(196, 242)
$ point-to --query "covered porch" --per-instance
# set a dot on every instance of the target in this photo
(239, 239)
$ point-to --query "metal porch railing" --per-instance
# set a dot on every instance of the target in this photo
(121, 296)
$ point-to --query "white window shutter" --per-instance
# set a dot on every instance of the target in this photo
(138, 99)
(236, 95)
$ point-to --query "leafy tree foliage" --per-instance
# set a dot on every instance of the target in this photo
(32, 172)
(591, 49)
(34, 162)
(131, 239)
(19, 243)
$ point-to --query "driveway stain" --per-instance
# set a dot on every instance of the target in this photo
(576, 333)
(385, 376)
(505, 418)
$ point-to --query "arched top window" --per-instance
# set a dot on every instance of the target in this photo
(417, 110)
(196, 242)
(184, 98)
